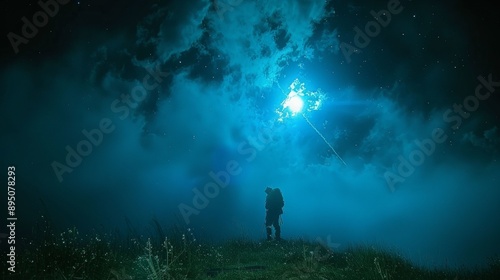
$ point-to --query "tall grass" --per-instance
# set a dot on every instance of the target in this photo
(177, 254)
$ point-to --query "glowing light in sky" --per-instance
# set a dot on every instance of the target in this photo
(299, 100)
(294, 103)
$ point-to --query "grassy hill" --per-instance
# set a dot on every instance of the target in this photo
(178, 255)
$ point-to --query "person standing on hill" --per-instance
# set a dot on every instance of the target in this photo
(274, 208)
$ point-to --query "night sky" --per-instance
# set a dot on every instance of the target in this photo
(177, 110)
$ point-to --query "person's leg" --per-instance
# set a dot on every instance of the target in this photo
(269, 223)
(277, 227)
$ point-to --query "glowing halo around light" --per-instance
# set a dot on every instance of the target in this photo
(294, 103)
(299, 100)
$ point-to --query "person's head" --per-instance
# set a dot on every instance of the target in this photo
(268, 190)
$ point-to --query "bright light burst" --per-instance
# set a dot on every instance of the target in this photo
(299, 100)
(294, 103)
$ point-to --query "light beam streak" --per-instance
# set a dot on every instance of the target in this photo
(315, 129)
(324, 139)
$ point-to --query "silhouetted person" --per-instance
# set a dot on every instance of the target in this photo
(274, 208)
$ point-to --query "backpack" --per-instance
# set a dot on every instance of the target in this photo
(279, 197)
(274, 201)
